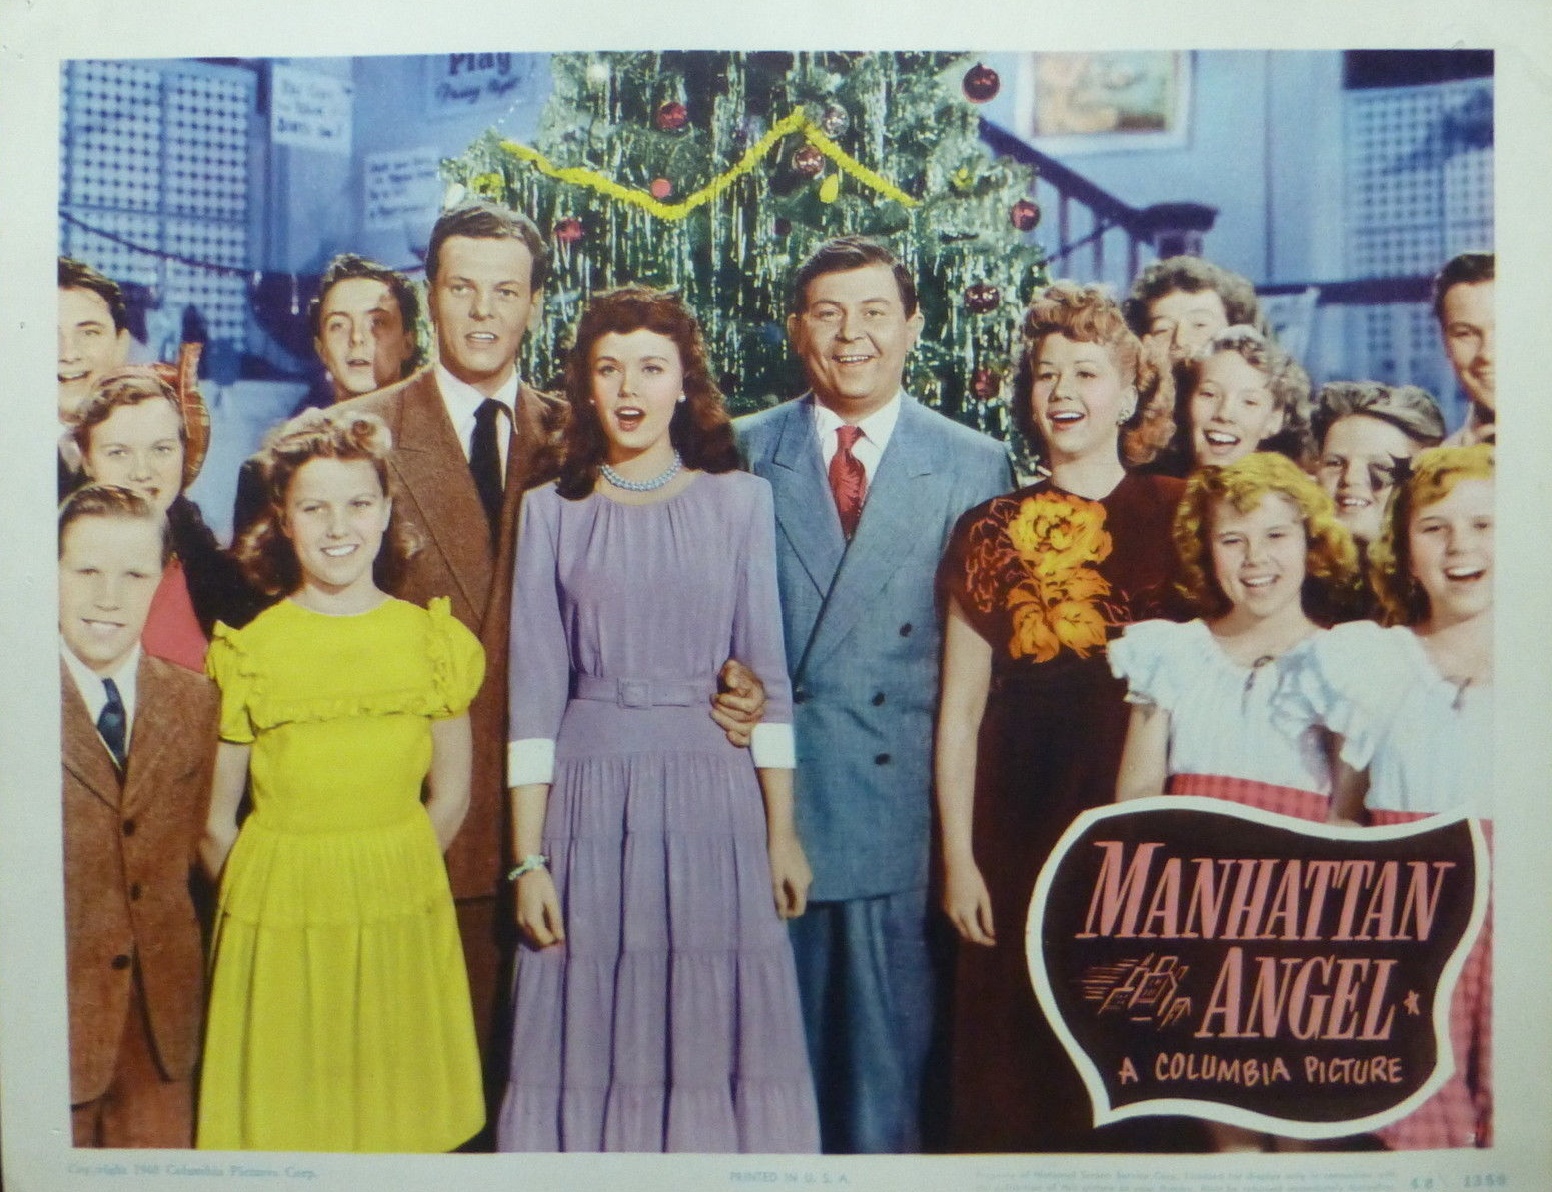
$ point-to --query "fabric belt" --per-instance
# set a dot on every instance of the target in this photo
(643, 693)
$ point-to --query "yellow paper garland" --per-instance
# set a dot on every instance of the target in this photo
(798, 122)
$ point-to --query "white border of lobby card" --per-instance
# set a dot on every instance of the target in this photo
(36, 34)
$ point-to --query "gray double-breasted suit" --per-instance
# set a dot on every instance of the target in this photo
(864, 642)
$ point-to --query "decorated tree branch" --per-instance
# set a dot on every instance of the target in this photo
(717, 173)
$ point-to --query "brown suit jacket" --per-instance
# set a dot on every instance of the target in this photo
(435, 495)
(128, 850)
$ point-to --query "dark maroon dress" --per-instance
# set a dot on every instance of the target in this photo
(1047, 578)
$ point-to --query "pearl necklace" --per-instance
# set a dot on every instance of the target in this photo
(642, 486)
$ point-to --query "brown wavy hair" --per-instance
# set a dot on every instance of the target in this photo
(130, 386)
(1409, 409)
(700, 429)
(1433, 476)
(1084, 314)
(264, 551)
(1331, 557)
(1191, 275)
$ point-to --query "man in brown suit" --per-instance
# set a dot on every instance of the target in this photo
(469, 436)
(139, 738)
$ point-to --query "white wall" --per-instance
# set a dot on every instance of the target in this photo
(1264, 146)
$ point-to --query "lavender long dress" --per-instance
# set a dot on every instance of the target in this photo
(669, 1019)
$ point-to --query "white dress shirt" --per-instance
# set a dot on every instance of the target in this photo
(89, 683)
(876, 429)
(463, 400)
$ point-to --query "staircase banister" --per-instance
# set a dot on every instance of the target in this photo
(1143, 224)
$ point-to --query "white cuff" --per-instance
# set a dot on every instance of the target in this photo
(530, 760)
(772, 747)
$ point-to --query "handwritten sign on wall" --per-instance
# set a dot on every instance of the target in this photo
(402, 186)
(310, 110)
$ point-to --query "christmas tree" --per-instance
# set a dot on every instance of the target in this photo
(717, 173)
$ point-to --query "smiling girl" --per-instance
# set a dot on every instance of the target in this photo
(339, 1008)
(1259, 543)
(1243, 393)
(1412, 708)
(1257, 539)
(655, 1002)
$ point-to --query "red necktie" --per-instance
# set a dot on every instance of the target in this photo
(848, 479)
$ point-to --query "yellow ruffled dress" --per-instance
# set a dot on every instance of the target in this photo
(339, 1014)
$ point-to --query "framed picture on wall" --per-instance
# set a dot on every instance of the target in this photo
(1102, 101)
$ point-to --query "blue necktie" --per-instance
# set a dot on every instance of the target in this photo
(112, 723)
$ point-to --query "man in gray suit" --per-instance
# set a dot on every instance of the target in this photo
(868, 484)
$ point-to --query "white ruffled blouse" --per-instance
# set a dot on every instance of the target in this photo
(1221, 713)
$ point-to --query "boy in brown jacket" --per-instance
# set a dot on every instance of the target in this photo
(139, 742)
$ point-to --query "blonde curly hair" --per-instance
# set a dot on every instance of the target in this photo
(1083, 314)
(1331, 558)
(1433, 476)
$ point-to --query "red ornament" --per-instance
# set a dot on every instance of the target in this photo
(671, 116)
(986, 383)
(1025, 214)
(981, 83)
(808, 161)
(661, 188)
(568, 231)
(981, 297)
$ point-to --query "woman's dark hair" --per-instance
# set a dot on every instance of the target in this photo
(700, 429)
(218, 589)
(264, 551)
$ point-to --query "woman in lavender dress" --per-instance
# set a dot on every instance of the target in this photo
(655, 1001)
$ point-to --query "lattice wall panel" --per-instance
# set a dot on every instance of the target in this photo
(1420, 190)
(154, 161)
(1420, 176)
(207, 157)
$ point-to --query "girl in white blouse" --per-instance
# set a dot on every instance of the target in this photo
(1258, 539)
(1411, 707)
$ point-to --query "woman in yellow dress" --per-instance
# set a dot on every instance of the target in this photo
(339, 1012)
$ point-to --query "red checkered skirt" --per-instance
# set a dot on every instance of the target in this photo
(1460, 1113)
(1268, 796)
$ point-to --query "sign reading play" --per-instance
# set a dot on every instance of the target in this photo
(1198, 957)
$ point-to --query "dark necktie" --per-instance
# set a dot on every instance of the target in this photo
(485, 462)
(848, 479)
(112, 723)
